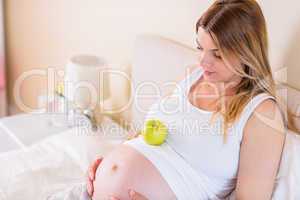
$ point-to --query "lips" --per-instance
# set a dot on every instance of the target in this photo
(208, 72)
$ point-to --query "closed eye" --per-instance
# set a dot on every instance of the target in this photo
(217, 56)
(199, 48)
(198, 45)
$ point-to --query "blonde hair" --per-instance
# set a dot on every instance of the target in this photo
(238, 28)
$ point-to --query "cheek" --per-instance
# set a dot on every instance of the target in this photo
(228, 75)
(223, 72)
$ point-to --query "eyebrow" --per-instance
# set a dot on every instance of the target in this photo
(198, 43)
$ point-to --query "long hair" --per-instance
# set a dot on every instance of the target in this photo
(238, 28)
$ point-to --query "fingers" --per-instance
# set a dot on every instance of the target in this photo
(135, 196)
(91, 176)
(90, 188)
(93, 168)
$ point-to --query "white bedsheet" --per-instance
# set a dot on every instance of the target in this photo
(57, 166)
(52, 165)
(74, 192)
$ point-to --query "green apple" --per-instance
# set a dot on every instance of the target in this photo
(155, 132)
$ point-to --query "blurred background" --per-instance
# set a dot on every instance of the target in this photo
(40, 34)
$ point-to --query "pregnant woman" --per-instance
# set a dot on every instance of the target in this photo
(226, 133)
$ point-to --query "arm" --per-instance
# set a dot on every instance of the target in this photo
(260, 153)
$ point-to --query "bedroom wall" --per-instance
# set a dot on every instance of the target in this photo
(46, 33)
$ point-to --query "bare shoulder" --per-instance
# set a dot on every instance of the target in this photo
(267, 118)
(268, 112)
(268, 107)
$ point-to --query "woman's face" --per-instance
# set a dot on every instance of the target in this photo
(210, 60)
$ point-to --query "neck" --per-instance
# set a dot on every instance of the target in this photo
(221, 88)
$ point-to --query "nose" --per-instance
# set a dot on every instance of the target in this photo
(205, 61)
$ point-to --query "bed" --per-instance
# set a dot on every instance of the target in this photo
(61, 160)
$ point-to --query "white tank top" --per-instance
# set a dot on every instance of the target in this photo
(199, 142)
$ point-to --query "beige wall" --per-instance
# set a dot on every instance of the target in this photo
(46, 33)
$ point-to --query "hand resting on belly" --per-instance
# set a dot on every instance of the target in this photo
(125, 168)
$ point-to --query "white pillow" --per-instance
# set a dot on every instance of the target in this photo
(287, 186)
(156, 61)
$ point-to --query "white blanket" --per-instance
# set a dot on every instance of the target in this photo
(56, 168)
(75, 192)
(52, 165)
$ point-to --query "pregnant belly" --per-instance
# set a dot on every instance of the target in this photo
(125, 168)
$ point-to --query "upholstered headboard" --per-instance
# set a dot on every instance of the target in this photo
(158, 61)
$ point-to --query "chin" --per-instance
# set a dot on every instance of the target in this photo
(211, 78)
